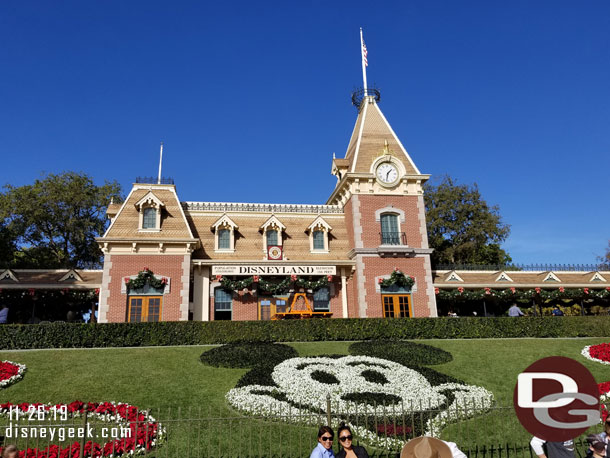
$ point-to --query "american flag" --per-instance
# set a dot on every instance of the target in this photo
(364, 54)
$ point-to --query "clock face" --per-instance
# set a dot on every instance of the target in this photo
(274, 252)
(387, 173)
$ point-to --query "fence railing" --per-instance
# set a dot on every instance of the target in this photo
(527, 267)
(481, 431)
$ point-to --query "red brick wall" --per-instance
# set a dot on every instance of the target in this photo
(127, 265)
(371, 228)
(376, 266)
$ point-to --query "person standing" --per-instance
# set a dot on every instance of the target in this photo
(10, 451)
(563, 449)
(349, 450)
(324, 449)
(514, 310)
(597, 446)
(557, 311)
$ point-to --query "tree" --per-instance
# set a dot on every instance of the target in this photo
(605, 258)
(53, 223)
(462, 228)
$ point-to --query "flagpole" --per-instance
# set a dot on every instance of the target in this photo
(160, 162)
(364, 63)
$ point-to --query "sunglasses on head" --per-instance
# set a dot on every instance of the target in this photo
(326, 438)
(346, 438)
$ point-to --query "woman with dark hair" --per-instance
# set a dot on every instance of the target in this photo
(348, 450)
(324, 449)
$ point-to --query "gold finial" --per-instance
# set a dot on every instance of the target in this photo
(386, 148)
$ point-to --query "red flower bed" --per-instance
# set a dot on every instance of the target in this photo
(601, 351)
(391, 430)
(10, 373)
(144, 431)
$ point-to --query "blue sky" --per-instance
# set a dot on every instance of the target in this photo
(252, 98)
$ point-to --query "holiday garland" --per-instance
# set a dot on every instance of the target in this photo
(397, 278)
(522, 294)
(280, 287)
(146, 276)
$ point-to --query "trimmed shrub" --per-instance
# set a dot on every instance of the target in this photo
(405, 353)
(73, 335)
(248, 355)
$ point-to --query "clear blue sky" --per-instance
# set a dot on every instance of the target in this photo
(252, 98)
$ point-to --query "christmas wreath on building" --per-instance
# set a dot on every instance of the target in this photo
(397, 278)
(146, 277)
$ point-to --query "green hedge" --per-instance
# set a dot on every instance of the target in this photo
(64, 335)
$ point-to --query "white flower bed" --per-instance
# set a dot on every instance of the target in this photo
(586, 354)
(295, 383)
(15, 378)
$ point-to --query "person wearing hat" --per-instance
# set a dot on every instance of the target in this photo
(553, 449)
(597, 446)
(430, 447)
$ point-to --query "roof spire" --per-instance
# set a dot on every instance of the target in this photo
(160, 163)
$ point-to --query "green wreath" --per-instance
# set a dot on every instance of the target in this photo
(398, 278)
(146, 277)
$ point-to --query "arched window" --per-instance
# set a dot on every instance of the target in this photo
(390, 230)
(272, 237)
(149, 218)
(223, 304)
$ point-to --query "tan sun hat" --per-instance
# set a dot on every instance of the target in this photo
(426, 447)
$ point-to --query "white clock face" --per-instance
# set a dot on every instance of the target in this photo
(387, 173)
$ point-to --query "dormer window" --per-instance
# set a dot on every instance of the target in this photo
(149, 208)
(272, 238)
(272, 234)
(225, 234)
(149, 218)
(318, 235)
(224, 239)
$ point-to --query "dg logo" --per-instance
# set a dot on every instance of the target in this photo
(556, 399)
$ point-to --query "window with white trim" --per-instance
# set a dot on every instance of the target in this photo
(223, 304)
(272, 233)
(149, 209)
(149, 218)
(319, 233)
(390, 230)
(224, 238)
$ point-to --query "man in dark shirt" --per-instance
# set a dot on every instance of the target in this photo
(553, 449)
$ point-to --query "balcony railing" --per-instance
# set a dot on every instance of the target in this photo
(393, 238)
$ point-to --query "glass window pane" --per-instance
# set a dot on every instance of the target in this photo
(271, 238)
(389, 229)
(321, 300)
(154, 309)
(135, 310)
(224, 238)
(318, 240)
(149, 218)
(223, 300)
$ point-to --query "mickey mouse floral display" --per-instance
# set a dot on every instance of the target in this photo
(598, 353)
(10, 373)
(375, 396)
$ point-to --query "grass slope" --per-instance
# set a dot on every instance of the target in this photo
(173, 379)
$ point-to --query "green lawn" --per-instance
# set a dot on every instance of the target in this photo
(174, 381)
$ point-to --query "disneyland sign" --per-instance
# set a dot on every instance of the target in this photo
(274, 270)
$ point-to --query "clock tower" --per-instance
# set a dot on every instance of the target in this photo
(381, 190)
